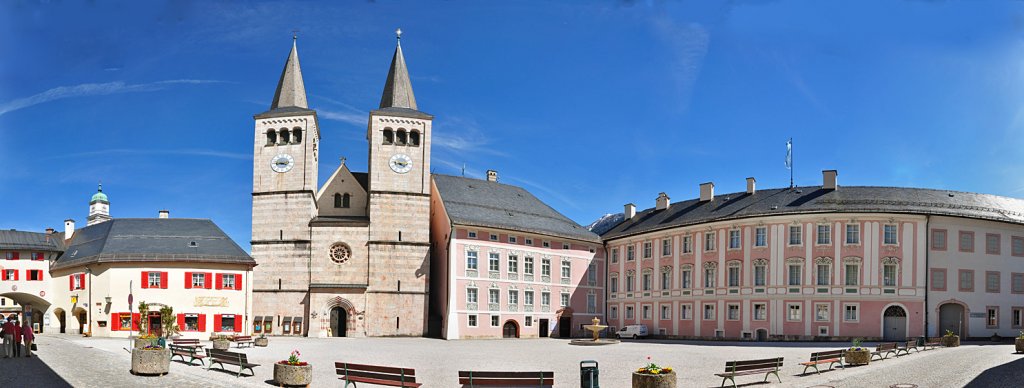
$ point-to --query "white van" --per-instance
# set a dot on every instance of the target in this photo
(632, 331)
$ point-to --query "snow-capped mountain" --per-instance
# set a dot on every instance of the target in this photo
(605, 223)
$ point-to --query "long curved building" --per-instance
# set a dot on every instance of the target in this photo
(823, 262)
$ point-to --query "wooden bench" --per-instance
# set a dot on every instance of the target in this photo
(186, 351)
(375, 374)
(934, 343)
(188, 343)
(233, 358)
(768, 366)
(243, 340)
(469, 378)
(905, 349)
(830, 357)
(883, 350)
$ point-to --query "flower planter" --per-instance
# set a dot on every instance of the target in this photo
(1019, 344)
(151, 361)
(857, 357)
(285, 374)
(951, 341)
(221, 344)
(144, 342)
(644, 380)
(262, 342)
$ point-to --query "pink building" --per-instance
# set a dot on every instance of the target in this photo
(824, 262)
(504, 264)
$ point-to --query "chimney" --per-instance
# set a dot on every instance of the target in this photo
(707, 191)
(165, 214)
(828, 178)
(69, 228)
(662, 202)
(492, 176)
(49, 231)
(751, 183)
(630, 211)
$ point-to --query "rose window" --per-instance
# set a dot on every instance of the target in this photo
(340, 253)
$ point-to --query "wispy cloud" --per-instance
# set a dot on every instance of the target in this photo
(546, 190)
(689, 45)
(181, 152)
(93, 89)
(464, 135)
(345, 117)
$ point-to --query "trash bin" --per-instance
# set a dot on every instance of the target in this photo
(589, 374)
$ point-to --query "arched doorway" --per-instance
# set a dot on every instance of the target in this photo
(564, 322)
(894, 324)
(510, 329)
(80, 317)
(762, 335)
(951, 317)
(62, 319)
(339, 321)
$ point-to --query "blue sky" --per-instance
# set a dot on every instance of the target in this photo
(589, 105)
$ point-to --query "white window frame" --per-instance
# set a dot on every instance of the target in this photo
(666, 247)
(476, 260)
(761, 236)
(648, 249)
(855, 309)
(494, 237)
(228, 281)
(565, 299)
(764, 275)
(494, 296)
(150, 278)
(495, 320)
(645, 312)
(545, 266)
(528, 298)
(792, 281)
(828, 312)
(709, 241)
(666, 312)
(895, 234)
(198, 280)
(513, 240)
(528, 265)
(513, 297)
(854, 229)
(472, 295)
(789, 312)
(709, 307)
(686, 311)
(629, 312)
(764, 311)
(824, 238)
(735, 239)
(471, 234)
(566, 270)
(494, 262)
(472, 320)
(729, 309)
(796, 231)
(687, 244)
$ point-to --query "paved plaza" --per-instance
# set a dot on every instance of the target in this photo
(65, 360)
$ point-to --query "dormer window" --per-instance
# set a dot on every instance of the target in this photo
(389, 136)
(192, 244)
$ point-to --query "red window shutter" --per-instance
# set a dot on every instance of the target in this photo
(181, 322)
(202, 322)
(188, 280)
(81, 280)
(17, 255)
(145, 279)
(71, 282)
(238, 323)
(238, 281)
(15, 275)
(163, 280)
(216, 322)
(220, 281)
(208, 284)
(135, 321)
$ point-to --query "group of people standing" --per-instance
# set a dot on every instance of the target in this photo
(14, 335)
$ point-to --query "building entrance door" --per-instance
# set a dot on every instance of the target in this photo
(153, 321)
(894, 324)
(762, 335)
(339, 321)
(510, 330)
(951, 317)
(544, 330)
(565, 327)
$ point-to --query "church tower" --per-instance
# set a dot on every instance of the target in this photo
(284, 183)
(99, 207)
(399, 207)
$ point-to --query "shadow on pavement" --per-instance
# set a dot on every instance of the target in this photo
(28, 372)
(1007, 375)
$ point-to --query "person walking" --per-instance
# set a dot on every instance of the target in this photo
(27, 336)
(8, 330)
(17, 339)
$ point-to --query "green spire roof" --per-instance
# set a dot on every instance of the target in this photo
(99, 196)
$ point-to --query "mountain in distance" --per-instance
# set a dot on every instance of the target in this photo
(606, 223)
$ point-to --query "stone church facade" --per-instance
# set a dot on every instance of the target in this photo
(350, 258)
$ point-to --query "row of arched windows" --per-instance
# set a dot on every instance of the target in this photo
(401, 137)
(342, 200)
(284, 136)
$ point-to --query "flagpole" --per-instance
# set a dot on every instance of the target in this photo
(791, 163)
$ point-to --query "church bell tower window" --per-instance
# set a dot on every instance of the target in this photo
(296, 135)
(401, 137)
(285, 137)
(389, 136)
(271, 137)
(414, 138)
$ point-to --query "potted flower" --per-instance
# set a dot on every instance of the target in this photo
(151, 360)
(857, 354)
(950, 340)
(1019, 342)
(262, 340)
(293, 371)
(654, 376)
(220, 341)
(145, 340)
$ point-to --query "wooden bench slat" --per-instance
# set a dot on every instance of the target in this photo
(501, 374)
(754, 362)
(772, 365)
(375, 375)
(391, 383)
(376, 368)
(508, 382)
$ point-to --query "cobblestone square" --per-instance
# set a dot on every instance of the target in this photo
(66, 360)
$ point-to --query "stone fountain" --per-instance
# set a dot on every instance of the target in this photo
(595, 327)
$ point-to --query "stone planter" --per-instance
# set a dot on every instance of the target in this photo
(221, 344)
(151, 362)
(285, 374)
(1019, 344)
(643, 380)
(950, 341)
(262, 342)
(857, 357)
(141, 343)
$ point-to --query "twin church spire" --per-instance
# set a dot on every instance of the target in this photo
(291, 92)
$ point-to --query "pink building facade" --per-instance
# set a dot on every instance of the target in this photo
(819, 263)
(527, 272)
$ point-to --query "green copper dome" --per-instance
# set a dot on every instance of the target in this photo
(99, 196)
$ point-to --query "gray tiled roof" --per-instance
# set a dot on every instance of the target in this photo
(476, 202)
(150, 240)
(12, 240)
(398, 87)
(846, 199)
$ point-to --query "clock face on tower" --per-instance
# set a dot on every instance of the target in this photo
(282, 163)
(400, 163)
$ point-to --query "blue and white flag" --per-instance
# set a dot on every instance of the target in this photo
(789, 153)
